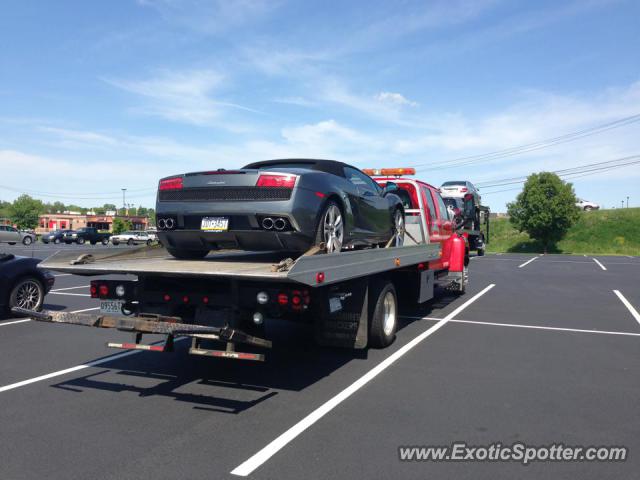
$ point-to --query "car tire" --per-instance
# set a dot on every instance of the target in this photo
(27, 293)
(27, 241)
(398, 225)
(149, 242)
(11, 243)
(187, 254)
(115, 242)
(56, 241)
(80, 241)
(130, 242)
(588, 208)
(93, 243)
(330, 228)
(105, 241)
(383, 313)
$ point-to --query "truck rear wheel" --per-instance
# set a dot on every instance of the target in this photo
(383, 313)
(187, 254)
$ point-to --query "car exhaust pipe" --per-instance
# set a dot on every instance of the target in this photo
(279, 224)
(267, 223)
(169, 223)
(161, 224)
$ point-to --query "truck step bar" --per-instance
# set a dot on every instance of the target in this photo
(157, 324)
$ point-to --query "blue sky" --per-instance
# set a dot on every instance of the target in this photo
(99, 96)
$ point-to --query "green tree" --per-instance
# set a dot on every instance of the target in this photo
(24, 211)
(120, 225)
(545, 208)
(109, 206)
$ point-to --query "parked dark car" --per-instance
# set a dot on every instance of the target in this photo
(289, 204)
(22, 284)
(56, 236)
(87, 234)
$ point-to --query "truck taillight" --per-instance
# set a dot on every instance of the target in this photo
(174, 183)
(271, 180)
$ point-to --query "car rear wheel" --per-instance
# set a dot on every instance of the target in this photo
(149, 242)
(27, 293)
(130, 242)
(105, 241)
(115, 242)
(398, 228)
(27, 240)
(330, 229)
(80, 241)
(588, 208)
(187, 254)
(56, 241)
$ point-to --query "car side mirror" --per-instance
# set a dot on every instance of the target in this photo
(390, 187)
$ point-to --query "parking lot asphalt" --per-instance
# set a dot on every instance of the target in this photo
(541, 350)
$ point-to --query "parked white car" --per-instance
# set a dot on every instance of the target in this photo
(132, 238)
(587, 205)
(12, 235)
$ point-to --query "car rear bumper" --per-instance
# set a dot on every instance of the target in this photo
(257, 240)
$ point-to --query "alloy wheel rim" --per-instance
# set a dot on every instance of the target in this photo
(28, 295)
(389, 321)
(399, 229)
(333, 229)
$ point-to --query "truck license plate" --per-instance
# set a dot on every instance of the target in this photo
(214, 224)
(111, 306)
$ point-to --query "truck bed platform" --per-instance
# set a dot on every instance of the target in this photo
(156, 261)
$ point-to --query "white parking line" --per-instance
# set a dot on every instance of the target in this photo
(528, 262)
(67, 293)
(534, 327)
(2, 324)
(601, 265)
(68, 288)
(76, 368)
(627, 304)
(280, 442)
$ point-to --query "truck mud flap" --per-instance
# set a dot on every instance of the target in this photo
(343, 316)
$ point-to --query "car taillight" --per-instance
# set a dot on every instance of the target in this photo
(174, 183)
(463, 189)
(271, 180)
(94, 291)
(103, 290)
(283, 298)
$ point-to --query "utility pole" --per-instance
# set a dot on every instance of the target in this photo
(627, 201)
(621, 203)
(124, 204)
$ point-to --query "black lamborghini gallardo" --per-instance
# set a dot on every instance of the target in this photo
(289, 204)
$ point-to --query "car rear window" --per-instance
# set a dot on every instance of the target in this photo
(454, 184)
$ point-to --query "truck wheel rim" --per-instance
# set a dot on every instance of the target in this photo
(399, 228)
(389, 305)
(28, 295)
(333, 229)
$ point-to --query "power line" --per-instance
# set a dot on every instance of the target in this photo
(526, 148)
(569, 175)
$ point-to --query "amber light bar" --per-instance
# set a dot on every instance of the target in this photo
(386, 172)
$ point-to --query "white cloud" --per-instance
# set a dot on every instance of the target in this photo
(212, 17)
(392, 98)
(183, 96)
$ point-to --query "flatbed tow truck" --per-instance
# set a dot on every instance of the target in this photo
(351, 297)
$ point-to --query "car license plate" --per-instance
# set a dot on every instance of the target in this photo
(215, 224)
(111, 306)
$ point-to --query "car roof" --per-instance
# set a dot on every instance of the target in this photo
(328, 166)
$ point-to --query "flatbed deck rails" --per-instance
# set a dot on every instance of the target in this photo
(339, 267)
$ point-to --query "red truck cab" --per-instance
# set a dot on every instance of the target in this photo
(425, 209)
